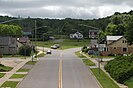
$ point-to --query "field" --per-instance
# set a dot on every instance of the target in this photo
(64, 43)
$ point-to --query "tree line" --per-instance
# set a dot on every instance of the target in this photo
(117, 24)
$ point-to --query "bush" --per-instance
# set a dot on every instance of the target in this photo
(25, 50)
(121, 68)
(84, 48)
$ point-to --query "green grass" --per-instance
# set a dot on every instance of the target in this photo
(129, 83)
(93, 56)
(41, 55)
(5, 68)
(103, 78)
(23, 70)
(79, 55)
(88, 62)
(1, 75)
(31, 63)
(10, 56)
(10, 84)
(18, 76)
(67, 43)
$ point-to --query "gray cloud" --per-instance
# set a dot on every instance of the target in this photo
(84, 9)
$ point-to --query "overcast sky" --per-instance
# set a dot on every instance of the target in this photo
(79, 9)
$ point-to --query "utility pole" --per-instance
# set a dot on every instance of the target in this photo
(35, 39)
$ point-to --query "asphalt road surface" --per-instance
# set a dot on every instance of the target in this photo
(61, 69)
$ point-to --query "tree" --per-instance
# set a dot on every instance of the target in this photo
(129, 32)
(10, 30)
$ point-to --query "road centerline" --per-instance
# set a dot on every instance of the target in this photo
(60, 74)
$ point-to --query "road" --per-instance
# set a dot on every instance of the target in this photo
(61, 69)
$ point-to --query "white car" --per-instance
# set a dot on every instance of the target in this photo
(48, 52)
(55, 46)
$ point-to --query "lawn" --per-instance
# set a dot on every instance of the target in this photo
(88, 62)
(79, 55)
(65, 43)
(103, 78)
(1, 75)
(18, 76)
(4, 68)
(23, 70)
(10, 84)
(129, 83)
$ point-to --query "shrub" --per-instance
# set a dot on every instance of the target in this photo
(84, 48)
(25, 50)
(121, 68)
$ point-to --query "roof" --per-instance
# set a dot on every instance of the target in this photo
(113, 38)
(23, 39)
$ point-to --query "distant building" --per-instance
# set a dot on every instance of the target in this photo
(93, 34)
(76, 35)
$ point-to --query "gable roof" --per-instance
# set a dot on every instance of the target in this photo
(113, 38)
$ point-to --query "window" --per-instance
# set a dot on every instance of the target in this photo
(105, 49)
(124, 41)
(114, 47)
(124, 49)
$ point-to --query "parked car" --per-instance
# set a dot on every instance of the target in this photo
(55, 46)
(48, 52)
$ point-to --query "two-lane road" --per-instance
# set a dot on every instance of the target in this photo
(61, 69)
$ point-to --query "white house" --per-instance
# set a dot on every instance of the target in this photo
(76, 35)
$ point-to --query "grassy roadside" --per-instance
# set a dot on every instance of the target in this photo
(31, 63)
(88, 62)
(1, 75)
(5, 68)
(103, 78)
(129, 83)
(23, 70)
(18, 76)
(79, 55)
(10, 84)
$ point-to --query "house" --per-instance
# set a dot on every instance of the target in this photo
(116, 45)
(8, 45)
(93, 34)
(76, 35)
